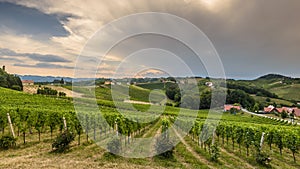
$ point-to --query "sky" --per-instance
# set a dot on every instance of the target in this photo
(252, 38)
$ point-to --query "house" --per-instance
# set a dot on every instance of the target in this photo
(270, 109)
(289, 110)
(297, 112)
(286, 109)
(228, 107)
(27, 82)
(209, 84)
(107, 82)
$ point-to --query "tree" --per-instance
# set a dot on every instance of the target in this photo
(292, 141)
(40, 122)
(63, 141)
(239, 136)
(173, 91)
(278, 140)
(205, 100)
(62, 81)
(52, 121)
(239, 96)
(249, 138)
(270, 137)
(284, 114)
(256, 107)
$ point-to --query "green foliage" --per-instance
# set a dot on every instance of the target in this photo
(292, 141)
(114, 146)
(165, 147)
(62, 94)
(151, 86)
(250, 89)
(239, 96)
(47, 91)
(7, 141)
(284, 114)
(173, 92)
(10, 81)
(263, 158)
(63, 141)
(205, 100)
(215, 152)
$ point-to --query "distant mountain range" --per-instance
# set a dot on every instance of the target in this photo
(50, 78)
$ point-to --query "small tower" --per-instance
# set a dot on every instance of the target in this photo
(3, 67)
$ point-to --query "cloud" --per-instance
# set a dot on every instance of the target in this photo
(44, 65)
(252, 37)
(33, 56)
(30, 21)
(4, 58)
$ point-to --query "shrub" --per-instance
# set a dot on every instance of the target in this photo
(114, 146)
(284, 115)
(7, 142)
(163, 144)
(215, 152)
(169, 104)
(263, 158)
(62, 141)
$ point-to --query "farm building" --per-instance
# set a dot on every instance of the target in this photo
(288, 110)
(27, 82)
(228, 107)
(270, 109)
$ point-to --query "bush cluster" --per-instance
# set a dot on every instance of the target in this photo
(7, 142)
(62, 141)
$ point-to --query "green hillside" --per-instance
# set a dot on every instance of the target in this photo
(10, 81)
(151, 86)
(287, 88)
(12, 100)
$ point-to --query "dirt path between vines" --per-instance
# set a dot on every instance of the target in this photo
(237, 158)
(190, 149)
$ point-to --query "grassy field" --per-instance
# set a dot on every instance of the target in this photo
(272, 100)
(290, 92)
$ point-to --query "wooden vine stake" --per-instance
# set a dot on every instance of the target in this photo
(10, 125)
(65, 123)
(261, 141)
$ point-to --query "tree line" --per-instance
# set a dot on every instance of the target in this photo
(10, 81)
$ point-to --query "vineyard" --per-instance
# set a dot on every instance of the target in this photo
(237, 140)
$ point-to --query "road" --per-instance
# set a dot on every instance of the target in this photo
(262, 115)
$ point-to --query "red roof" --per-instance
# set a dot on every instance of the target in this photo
(27, 81)
(297, 112)
(228, 107)
(286, 109)
(268, 109)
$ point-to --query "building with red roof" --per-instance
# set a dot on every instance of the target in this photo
(27, 82)
(228, 107)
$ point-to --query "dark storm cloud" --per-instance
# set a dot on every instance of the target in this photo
(30, 21)
(252, 37)
(33, 56)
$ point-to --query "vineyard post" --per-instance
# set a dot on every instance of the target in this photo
(261, 141)
(10, 125)
(65, 123)
(116, 124)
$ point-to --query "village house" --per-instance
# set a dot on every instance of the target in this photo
(27, 82)
(228, 107)
(209, 84)
(289, 110)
